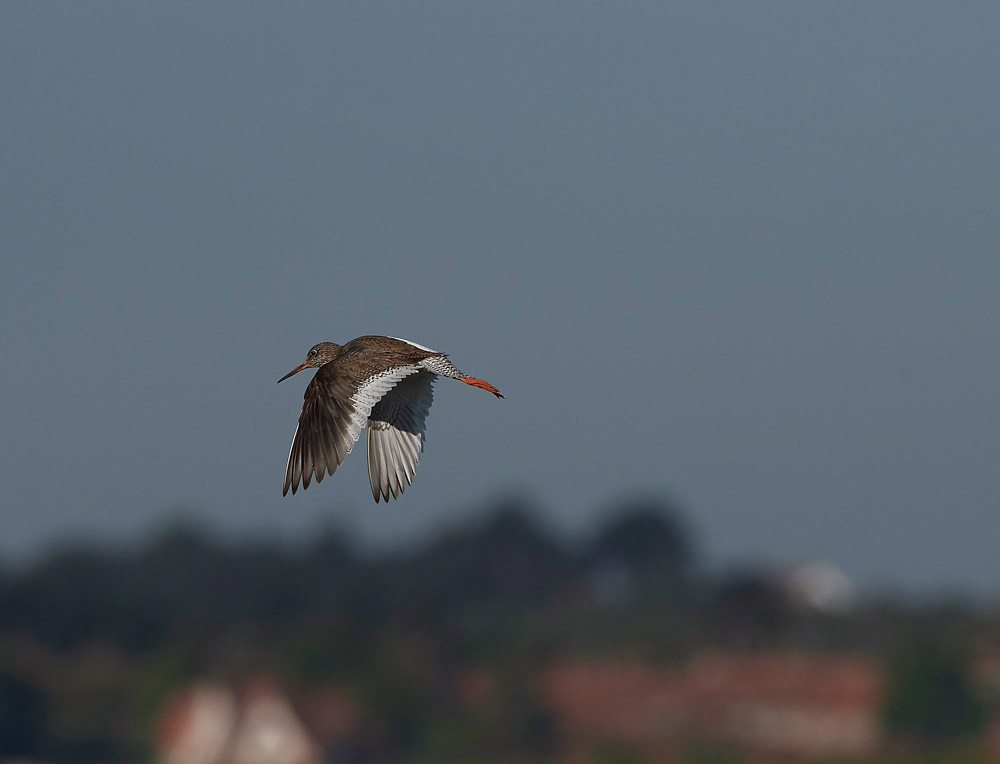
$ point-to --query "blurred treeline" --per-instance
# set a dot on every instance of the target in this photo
(92, 640)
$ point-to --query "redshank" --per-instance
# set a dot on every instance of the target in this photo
(382, 382)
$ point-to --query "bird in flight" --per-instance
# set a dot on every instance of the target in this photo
(383, 383)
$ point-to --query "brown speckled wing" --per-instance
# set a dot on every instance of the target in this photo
(335, 410)
(323, 436)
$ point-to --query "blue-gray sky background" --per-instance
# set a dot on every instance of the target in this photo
(744, 255)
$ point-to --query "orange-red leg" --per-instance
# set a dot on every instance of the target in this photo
(482, 384)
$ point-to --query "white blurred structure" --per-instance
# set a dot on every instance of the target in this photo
(820, 586)
(212, 724)
(197, 726)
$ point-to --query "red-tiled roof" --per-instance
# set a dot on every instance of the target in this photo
(775, 702)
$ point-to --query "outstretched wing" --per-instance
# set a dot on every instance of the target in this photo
(396, 435)
(333, 414)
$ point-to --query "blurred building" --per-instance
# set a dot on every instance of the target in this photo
(257, 724)
(819, 586)
(766, 704)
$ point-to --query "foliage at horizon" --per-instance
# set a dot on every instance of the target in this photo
(92, 640)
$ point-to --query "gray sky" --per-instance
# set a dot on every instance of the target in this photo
(740, 254)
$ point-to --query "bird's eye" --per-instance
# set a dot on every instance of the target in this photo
(312, 352)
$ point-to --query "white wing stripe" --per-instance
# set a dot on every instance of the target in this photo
(411, 342)
(369, 393)
(396, 435)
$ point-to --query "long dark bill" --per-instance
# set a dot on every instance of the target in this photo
(294, 371)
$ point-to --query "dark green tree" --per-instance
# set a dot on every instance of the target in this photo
(23, 718)
(646, 546)
(928, 697)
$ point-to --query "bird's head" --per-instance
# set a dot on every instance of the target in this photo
(318, 355)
